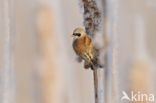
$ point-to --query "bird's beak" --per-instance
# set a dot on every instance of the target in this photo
(72, 35)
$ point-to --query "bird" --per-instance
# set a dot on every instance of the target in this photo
(84, 48)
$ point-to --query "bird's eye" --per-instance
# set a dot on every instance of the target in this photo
(78, 34)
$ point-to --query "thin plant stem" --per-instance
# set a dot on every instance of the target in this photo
(95, 75)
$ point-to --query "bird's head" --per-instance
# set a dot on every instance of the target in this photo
(78, 33)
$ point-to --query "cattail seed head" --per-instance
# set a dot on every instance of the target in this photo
(92, 16)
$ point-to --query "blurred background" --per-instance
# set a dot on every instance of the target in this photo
(38, 64)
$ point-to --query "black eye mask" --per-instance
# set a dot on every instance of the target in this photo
(77, 34)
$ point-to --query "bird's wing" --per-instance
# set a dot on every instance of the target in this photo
(88, 42)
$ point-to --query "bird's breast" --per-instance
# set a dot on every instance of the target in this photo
(82, 45)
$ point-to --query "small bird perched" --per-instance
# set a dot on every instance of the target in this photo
(84, 48)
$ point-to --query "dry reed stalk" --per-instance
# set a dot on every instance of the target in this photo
(140, 71)
(50, 77)
(95, 74)
(6, 53)
(115, 98)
